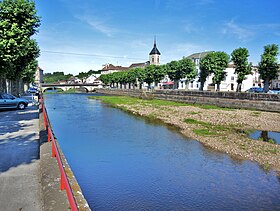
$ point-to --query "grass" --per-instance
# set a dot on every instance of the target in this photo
(193, 112)
(207, 128)
(123, 100)
(255, 113)
(204, 132)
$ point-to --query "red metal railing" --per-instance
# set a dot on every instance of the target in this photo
(64, 183)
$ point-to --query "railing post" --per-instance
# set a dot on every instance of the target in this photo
(62, 182)
(53, 149)
(49, 133)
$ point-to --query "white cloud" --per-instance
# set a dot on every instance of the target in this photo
(243, 33)
(249, 31)
(98, 25)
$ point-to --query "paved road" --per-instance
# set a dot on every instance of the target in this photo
(19, 160)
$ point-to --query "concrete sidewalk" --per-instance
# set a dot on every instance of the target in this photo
(20, 187)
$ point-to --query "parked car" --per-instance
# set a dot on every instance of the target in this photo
(256, 90)
(274, 91)
(10, 101)
(32, 90)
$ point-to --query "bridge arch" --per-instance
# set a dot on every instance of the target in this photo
(53, 88)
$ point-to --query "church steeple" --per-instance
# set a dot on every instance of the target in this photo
(154, 54)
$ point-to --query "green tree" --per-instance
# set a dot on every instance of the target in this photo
(242, 67)
(205, 66)
(18, 22)
(173, 69)
(268, 66)
(105, 78)
(149, 75)
(140, 75)
(56, 77)
(159, 73)
(186, 70)
(216, 63)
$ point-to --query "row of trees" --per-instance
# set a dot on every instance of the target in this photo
(18, 51)
(213, 63)
(216, 63)
(60, 76)
(183, 68)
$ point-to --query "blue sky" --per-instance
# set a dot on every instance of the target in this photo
(121, 32)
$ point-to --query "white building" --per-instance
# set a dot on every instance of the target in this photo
(228, 84)
(275, 84)
(93, 79)
(194, 84)
(109, 68)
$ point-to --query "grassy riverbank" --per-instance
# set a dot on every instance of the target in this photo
(222, 129)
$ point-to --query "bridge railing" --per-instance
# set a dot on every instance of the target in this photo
(64, 183)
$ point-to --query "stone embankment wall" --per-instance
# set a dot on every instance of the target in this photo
(263, 102)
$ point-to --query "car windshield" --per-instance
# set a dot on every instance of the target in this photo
(7, 96)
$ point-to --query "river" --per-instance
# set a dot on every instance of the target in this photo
(123, 162)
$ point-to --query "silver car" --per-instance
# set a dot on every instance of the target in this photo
(10, 101)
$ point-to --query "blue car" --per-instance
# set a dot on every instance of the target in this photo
(32, 90)
(8, 101)
(256, 90)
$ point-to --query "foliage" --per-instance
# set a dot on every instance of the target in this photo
(105, 78)
(242, 67)
(123, 100)
(216, 63)
(268, 66)
(205, 66)
(55, 77)
(172, 69)
(187, 69)
(84, 75)
(184, 68)
(18, 52)
(159, 72)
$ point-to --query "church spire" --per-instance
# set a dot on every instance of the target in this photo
(154, 56)
(155, 50)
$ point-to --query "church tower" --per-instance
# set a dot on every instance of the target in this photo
(154, 57)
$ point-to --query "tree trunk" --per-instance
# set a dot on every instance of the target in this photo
(264, 136)
(15, 87)
(187, 85)
(238, 88)
(218, 87)
(3, 87)
(201, 85)
(266, 85)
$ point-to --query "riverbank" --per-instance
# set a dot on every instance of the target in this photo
(222, 129)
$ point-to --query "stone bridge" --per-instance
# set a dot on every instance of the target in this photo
(65, 87)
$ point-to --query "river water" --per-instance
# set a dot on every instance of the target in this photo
(123, 162)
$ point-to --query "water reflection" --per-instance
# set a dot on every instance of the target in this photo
(125, 163)
(267, 136)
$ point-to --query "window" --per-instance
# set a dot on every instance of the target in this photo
(232, 78)
(153, 60)
(182, 84)
(158, 60)
(196, 85)
(192, 84)
(7, 96)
